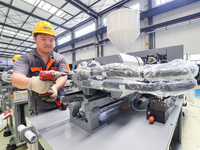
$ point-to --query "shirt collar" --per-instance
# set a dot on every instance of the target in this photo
(36, 54)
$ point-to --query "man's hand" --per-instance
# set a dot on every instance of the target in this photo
(39, 86)
(54, 94)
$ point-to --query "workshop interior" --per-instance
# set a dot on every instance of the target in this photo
(133, 81)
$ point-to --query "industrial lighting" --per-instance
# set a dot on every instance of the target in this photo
(14, 33)
(47, 7)
(33, 2)
(60, 13)
(53, 9)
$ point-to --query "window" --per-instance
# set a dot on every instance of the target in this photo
(60, 13)
(104, 22)
(33, 2)
(195, 58)
(160, 2)
(135, 6)
(85, 30)
(64, 39)
(47, 7)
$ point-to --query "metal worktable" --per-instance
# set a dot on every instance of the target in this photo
(20, 107)
(126, 129)
(20, 111)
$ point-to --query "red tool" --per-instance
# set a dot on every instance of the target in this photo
(50, 75)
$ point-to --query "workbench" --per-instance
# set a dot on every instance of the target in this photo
(126, 129)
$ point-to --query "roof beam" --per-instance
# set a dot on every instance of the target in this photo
(9, 52)
(82, 23)
(65, 32)
(10, 37)
(6, 17)
(29, 14)
(16, 45)
(84, 8)
(6, 56)
(117, 5)
(3, 24)
(90, 10)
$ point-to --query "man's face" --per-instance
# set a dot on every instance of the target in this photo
(45, 43)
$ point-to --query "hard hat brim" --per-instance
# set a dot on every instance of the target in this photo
(44, 33)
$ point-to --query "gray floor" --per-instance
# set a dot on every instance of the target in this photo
(191, 126)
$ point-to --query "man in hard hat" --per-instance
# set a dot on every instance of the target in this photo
(13, 59)
(28, 67)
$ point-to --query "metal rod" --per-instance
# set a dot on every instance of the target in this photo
(105, 108)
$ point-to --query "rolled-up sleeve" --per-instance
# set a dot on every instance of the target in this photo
(21, 65)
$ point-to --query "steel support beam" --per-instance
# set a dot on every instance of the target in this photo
(29, 14)
(150, 22)
(10, 37)
(3, 24)
(87, 36)
(16, 45)
(117, 5)
(87, 45)
(84, 8)
(166, 7)
(6, 56)
(170, 22)
(88, 9)
(9, 52)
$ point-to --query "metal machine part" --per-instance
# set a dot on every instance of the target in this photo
(160, 109)
(85, 113)
(119, 81)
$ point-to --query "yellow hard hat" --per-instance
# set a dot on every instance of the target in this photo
(16, 57)
(44, 27)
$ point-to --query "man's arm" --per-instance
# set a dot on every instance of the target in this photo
(20, 81)
(33, 84)
(60, 82)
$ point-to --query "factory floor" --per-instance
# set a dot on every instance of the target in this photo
(191, 127)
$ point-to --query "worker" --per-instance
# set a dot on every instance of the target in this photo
(13, 59)
(28, 67)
